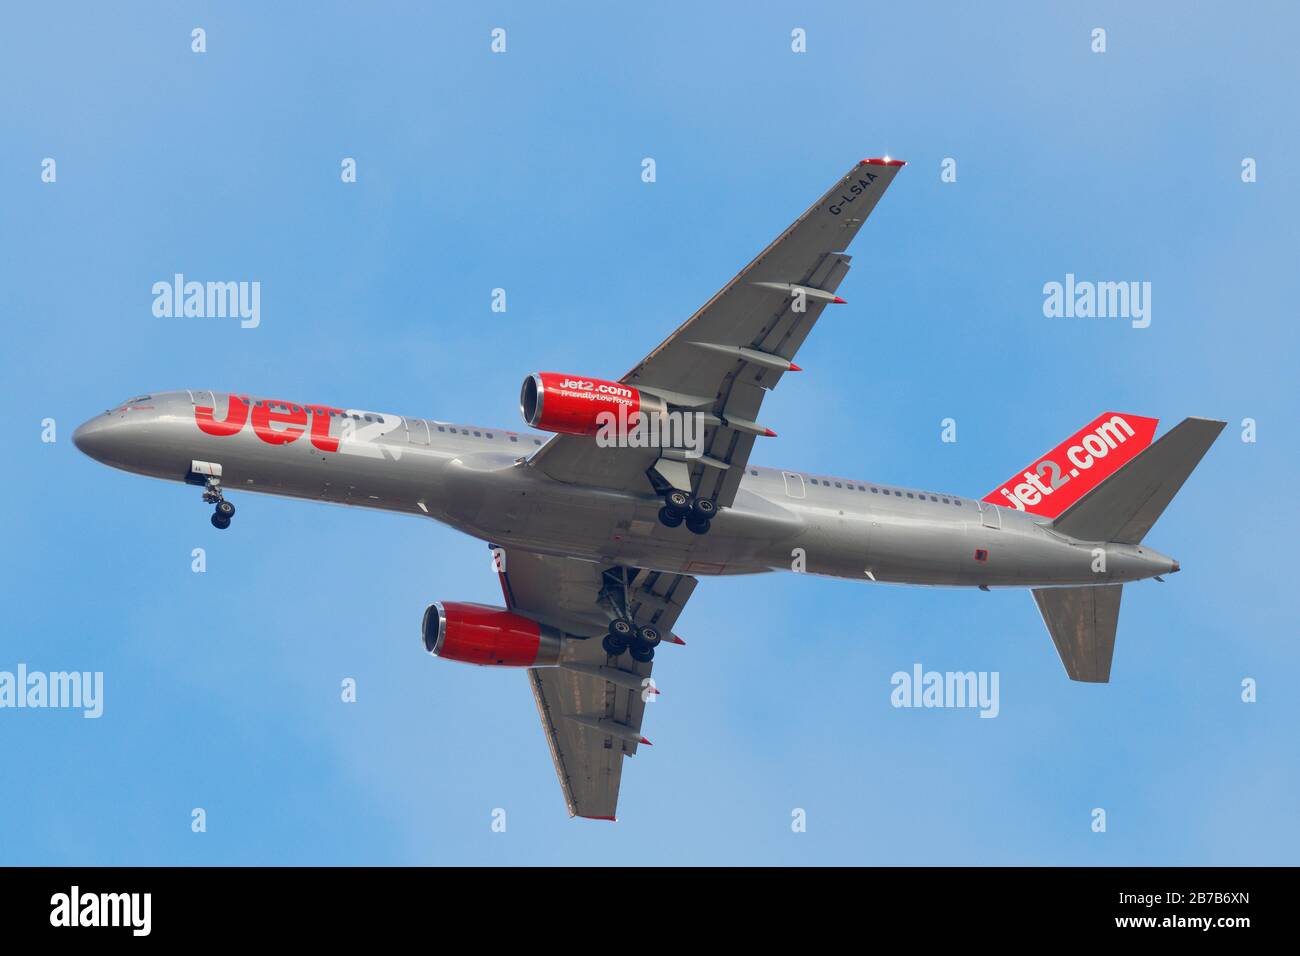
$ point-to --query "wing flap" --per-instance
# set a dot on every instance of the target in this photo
(588, 762)
(592, 705)
(768, 310)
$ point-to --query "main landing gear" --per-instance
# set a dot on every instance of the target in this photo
(639, 642)
(623, 634)
(223, 510)
(680, 507)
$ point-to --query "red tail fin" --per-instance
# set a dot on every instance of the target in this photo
(1069, 471)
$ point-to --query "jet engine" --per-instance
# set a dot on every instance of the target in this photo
(492, 636)
(573, 405)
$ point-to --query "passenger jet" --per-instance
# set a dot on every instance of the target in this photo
(599, 540)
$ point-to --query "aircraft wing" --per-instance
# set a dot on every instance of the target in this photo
(725, 357)
(591, 706)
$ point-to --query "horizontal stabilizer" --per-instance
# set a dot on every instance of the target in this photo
(1082, 623)
(1125, 506)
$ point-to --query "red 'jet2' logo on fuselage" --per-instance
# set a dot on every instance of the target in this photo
(268, 413)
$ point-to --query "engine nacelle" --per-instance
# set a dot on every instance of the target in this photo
(571, 404)
(492, 636)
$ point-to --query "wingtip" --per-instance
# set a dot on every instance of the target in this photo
(838, 301)
(768, 433)
(646, 742)
(794, 368)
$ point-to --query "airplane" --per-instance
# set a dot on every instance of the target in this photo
(586, 522)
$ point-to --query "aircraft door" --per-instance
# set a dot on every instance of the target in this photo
(417, 431)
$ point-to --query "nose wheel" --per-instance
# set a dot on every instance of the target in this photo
(223, 511)
(222, 514)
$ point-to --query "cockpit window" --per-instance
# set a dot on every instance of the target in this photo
(137, 400)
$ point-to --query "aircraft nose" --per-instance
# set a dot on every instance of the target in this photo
(92, 437)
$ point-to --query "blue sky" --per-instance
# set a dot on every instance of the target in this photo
(522, 171)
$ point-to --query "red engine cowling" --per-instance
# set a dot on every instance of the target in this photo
(571, 404)
(492, 636)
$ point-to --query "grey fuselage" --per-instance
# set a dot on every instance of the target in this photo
(478, 481)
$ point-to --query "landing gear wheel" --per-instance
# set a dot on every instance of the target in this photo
(620, 635)
(642, 655)
(696, 525)
(220, 522)
(225, 509)
(669, 518)
(704, 508)
(648, 636)
(678, 502)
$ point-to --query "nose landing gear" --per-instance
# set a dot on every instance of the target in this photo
(223, 510)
